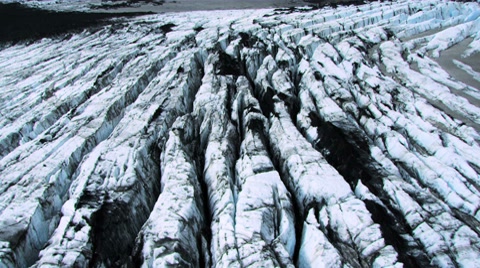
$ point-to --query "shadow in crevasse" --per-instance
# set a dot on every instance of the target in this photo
(19, 23)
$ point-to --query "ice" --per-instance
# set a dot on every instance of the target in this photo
(313, 177)
(325, 255)
(171, 235)
(329, 137)
(451, 36)
(473, 48)
(475, 75)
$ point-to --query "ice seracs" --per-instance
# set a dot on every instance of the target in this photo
(173, 235)
(333, 137)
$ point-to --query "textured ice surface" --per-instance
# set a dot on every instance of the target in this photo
(334, 137)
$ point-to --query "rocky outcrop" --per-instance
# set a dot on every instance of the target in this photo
(333, 137)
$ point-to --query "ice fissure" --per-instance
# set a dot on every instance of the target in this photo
(302, 137)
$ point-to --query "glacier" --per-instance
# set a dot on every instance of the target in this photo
(343, 136)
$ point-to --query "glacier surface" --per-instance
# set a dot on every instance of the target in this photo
(291, 137)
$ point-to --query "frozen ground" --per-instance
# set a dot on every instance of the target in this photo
(298, 137)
